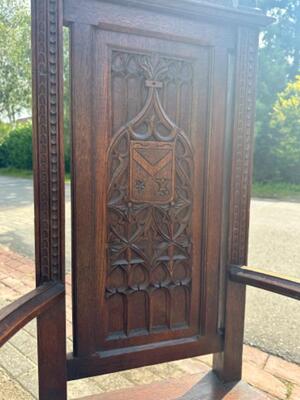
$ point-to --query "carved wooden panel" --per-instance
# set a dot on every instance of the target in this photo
(150, 194)
(142, 277)
(151, 172)
(150, 209)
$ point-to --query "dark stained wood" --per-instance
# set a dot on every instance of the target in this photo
(47, 63)
(212, 11)
(157, 268)
(161, 167)
(227, 172)
(118, 360)
(51, 329)
(16, 315)
(47, 118)
(229, 363)
(152, 171)
(142, 274)
(192, 387)
(151, 224)
(215, 190)
(83, 225)
(108, 16)
(279, 284)
(162, 127)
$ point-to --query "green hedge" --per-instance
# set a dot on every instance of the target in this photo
(16, 148)
(16, 152)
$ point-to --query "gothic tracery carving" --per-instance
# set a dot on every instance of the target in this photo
(150, 193)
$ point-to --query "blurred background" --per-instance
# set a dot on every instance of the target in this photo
(272, 322)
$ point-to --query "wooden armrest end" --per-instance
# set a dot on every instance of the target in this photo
(17, 314)
(279, 284)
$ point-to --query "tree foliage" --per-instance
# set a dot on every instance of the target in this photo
(279, 63)
(285, 121)
(15, 69)
(5, 128)
(16, 149)
(282, 38)
(15, 84)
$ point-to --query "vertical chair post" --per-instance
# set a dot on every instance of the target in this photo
(228, 364)
(52, 353)
(47, 60)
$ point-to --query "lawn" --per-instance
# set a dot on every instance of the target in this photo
(18, 173)
(279, 190)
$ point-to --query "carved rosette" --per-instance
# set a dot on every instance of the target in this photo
(150, 198)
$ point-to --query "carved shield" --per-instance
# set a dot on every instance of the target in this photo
(151, 172)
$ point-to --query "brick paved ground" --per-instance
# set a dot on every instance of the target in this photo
(18, 360)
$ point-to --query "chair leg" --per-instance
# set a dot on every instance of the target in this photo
(228, 364)
(51, 333)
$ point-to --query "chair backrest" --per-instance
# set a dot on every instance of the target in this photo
(162, 99)
(162, 117)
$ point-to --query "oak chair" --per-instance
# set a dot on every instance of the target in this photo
(163, 96)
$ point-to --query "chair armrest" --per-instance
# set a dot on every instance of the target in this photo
(283, 285)
(17, 314)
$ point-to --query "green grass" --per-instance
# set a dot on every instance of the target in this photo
(278, 190)
(23, 173)
(18, 173)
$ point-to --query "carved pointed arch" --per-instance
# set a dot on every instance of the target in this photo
(150, 190)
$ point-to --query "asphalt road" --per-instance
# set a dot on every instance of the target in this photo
(272, 321)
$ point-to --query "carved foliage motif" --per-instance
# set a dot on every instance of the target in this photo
(150, 195)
